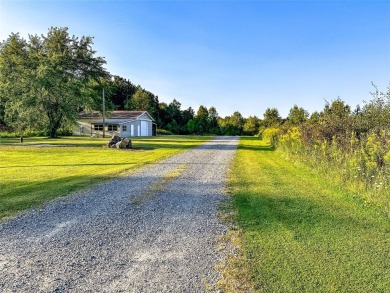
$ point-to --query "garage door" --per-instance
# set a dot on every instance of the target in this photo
(144, 128)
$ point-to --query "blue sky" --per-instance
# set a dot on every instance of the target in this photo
(235, 55)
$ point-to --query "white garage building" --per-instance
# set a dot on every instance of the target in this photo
(124, 123)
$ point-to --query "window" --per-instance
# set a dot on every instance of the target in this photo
(112, 127)
(98, 127)
(124, 128)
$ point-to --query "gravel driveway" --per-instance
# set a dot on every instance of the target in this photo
(155, 230)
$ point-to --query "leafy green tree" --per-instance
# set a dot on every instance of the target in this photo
(202, 120)
(121, 91)
(335, 119)
(173, 126)
(213, 121)
(238, 122)
(191, 126)
(271, 117)
(251, 125)
(143, 100)
(14, 63)
(13, 57)
(163, 117)
(376, 113)
(186, 116)
(46, 80)
(174, 111)
(232, 125)
(297, 116)
(314, 117)
(225, 126)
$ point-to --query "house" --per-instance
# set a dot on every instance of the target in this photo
(124, 123)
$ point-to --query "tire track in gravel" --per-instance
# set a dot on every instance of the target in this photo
(155, 230)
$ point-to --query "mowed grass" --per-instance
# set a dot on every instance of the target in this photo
(42, 169)
(300, 232)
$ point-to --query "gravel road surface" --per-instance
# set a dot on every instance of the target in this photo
(155, 230)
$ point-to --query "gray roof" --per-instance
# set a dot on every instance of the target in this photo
(111, 121)
(120, 115)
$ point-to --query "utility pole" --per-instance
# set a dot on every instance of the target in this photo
(104, 116)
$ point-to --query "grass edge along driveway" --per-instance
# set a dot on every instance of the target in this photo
(300, 233)
(42, 169)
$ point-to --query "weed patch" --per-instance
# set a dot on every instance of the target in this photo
(300, 232)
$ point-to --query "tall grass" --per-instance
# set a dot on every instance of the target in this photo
(362, 165)
(350, 147)
(300, 231)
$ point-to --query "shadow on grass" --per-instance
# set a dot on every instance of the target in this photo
(262, 211)
(68, 165)
(251, 143)
(87, 141)
(139, 144)
(17, 197)
(256, 148)
(299, 240)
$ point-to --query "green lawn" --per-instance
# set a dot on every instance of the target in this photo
(300, 232)
(35, 172)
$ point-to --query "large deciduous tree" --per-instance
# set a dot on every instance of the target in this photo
(251, 125)
(202, 120)
(143, 100)
(297, 116)
(46, 80)
(232, 125)
(335, 119)
(121, 92)
(272, 117)
(213, 121)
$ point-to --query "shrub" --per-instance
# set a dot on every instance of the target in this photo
(271, 135)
